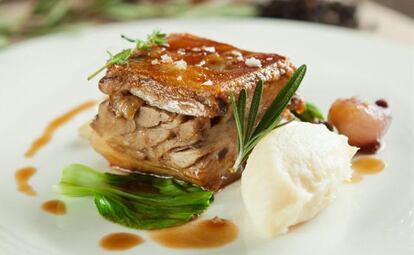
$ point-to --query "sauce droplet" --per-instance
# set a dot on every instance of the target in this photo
(54, 125)
(355, 178)
(55, 207)
(211, 233)
(368, 165)
(297, 226)
(120, 241)
(22, 177)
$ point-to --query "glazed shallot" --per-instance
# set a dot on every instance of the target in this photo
(363, 123)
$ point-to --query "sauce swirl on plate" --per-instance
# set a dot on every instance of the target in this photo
(355, 178)
(22, 177)
(120, 241)
(211, 233)
(365, 166)
(55, 207)
(368, 165)
(54, 125)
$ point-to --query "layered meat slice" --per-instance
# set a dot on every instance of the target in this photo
(168, 110)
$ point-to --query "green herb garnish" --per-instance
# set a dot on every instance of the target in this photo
(136, 200)
(310, 114)
(155, 38)
(248, 136)
(117, 59)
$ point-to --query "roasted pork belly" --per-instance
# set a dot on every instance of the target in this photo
(168, 110)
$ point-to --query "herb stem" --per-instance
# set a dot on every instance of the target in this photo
(92, 75)
(155, 38)
(248, 137)
(127, 38)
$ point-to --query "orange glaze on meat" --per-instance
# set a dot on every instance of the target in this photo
(54, 125)
(212, 71)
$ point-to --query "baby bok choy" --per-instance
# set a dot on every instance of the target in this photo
(136, 200)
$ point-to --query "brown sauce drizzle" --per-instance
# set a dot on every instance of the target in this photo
(55, 207)
(211, 233)
(120, 241)
(54, 125)
(22, 177)
(355, 178)
(368, 165)
(365, 166)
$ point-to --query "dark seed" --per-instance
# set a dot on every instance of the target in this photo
(382, 103)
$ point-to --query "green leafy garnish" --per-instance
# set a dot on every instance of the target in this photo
(248, 136)
(117, 59)
(155, 38)
(310, 114)
(136, 200)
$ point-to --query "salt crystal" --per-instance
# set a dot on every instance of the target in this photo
(166, 59)
(209, 49)
(181, 64)
(208, 83)
(236, 53)
(202, 62)
(253, 62)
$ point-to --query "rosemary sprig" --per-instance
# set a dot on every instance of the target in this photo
(155, 38)
(248, 136)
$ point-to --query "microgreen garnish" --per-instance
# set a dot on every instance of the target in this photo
(248, 136)
(136, 200)
(310, 114)
(155, 38)
(117, 59)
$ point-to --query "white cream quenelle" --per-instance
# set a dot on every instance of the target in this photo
(292, 174)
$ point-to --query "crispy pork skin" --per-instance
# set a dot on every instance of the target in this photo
(168, 110)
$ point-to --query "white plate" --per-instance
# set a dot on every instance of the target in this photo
(42, 78)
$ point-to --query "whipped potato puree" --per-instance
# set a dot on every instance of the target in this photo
(292, 174)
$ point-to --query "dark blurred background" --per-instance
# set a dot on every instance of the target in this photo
(21, 19)
(404, 6)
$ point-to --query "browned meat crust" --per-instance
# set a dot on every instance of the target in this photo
(161, 119)
(158, 76)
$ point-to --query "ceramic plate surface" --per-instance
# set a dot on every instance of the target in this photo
(42, 78)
